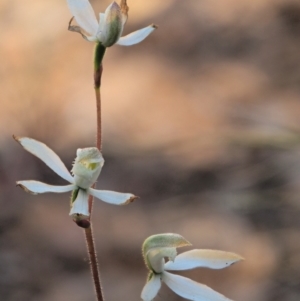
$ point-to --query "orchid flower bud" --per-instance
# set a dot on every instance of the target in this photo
(112, 26)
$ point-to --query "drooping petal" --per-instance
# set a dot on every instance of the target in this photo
(136, 36)
(47, 155)
(79, 30)
(112, 197)
(151, 288)
(84, 15)
(36, 187)
(124, 11)
(190, 289)
(212, 259)
(80, 205)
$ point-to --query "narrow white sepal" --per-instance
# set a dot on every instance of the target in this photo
(47, 155)
(84, 15)
(136, 36)
(112, 197)
(101, 24)
(36, 187)
(151, 288)
(80, 205)
(190, 289)
(212, 259)
(92, 39)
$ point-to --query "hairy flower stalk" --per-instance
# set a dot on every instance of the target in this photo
(157, 247)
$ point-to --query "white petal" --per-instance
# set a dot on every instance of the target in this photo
(190, 289)
(136, 36)
(202, 258)
(151, 288)
(92, 39)
(47, 155)
(80, 205)
(36, 187)
(101, 23)
(84, 15)
(112, 197)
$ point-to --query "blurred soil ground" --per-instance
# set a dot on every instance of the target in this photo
(201, 120)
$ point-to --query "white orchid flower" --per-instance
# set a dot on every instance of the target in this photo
(86, 169)
(109, 29)
(157, 247)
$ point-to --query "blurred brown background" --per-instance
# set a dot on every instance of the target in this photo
(201, 120)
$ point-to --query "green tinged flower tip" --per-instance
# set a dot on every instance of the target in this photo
(114, 27)
(167, 240)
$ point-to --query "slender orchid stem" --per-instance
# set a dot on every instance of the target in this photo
(99, 128)
(94, 262)
(98, 68)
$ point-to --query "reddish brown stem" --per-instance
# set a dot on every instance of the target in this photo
(93, 262)
(99, 53)
(99, 128)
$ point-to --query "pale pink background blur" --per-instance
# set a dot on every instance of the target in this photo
(201, 120)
